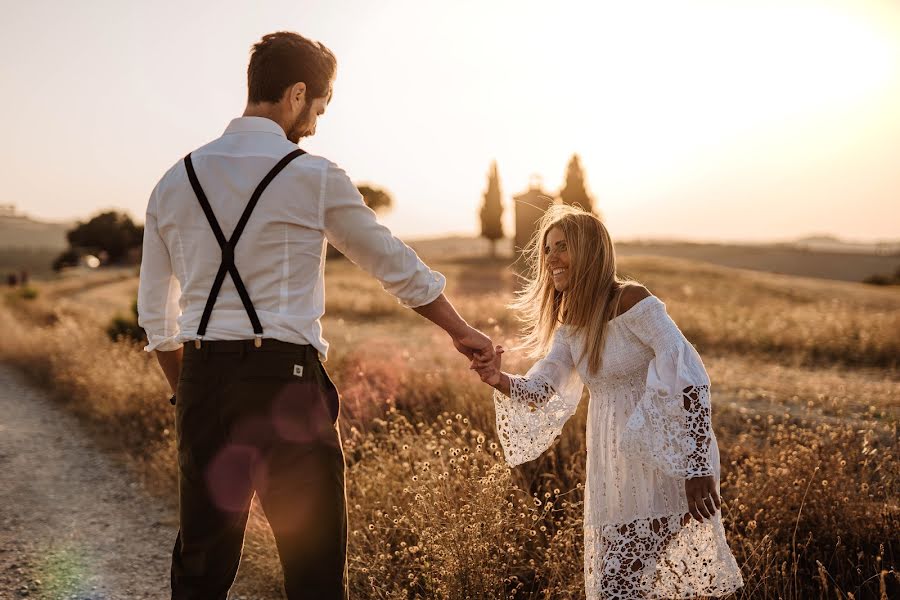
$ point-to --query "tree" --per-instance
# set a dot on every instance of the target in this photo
(492, 211)
(375, 198)
(111, 232)
(69, 258)
(575, 192)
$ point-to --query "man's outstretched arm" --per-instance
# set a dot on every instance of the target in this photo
(352, 228)
(467, 339)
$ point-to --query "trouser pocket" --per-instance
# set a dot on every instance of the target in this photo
(332, 396)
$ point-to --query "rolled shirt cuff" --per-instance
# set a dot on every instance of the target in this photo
(163, 343)
(435, 289)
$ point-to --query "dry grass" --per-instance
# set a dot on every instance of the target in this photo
(807, 399)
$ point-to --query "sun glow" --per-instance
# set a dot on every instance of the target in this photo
(790, 106)
(667, 103)
(648, 86)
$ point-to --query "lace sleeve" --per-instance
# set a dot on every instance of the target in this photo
(539, 404)
(671, 426)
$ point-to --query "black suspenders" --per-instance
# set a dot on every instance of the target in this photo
(228, 245)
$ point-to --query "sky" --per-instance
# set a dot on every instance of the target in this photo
(718, 120)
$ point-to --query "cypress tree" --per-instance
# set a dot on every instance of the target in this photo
(575, 192)
(492, 211)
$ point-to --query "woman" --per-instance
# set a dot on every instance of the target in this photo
(652, 524)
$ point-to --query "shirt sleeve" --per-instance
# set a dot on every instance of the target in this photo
(671, 425)
(531, 418)
(351, 227)
(159, 291)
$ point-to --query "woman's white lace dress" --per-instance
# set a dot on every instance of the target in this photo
(641, 445)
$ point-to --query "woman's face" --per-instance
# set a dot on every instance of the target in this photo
(556, 250)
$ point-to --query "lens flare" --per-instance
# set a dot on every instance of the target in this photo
(232, 476)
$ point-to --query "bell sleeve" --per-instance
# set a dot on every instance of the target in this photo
(539, 404)
(671, 426)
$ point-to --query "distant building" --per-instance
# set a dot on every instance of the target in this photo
(530, 207)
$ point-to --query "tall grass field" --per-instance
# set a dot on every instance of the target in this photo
(806, 405)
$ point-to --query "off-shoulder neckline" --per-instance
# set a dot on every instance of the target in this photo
(636, 307)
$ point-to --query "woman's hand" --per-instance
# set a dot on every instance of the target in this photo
(702, 498)
(488, 368)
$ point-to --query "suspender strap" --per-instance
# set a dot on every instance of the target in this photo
(228, 245)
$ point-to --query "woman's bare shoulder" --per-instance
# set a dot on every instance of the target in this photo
(631, 295)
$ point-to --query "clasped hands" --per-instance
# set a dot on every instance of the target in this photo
(484, 356)
(488, 366)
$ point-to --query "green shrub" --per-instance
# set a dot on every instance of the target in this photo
(126, 327)
(28, 292)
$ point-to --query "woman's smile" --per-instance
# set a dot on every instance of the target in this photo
(556, 248)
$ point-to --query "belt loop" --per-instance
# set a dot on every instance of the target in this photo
(243, 351)
(204, 352)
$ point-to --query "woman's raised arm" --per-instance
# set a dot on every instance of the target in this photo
(532, 409)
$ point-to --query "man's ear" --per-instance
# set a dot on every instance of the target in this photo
(297, 96)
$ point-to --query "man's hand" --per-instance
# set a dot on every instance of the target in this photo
(472, 343)
(489, 369)
(702, 498)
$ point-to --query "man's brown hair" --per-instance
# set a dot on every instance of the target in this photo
(281, 59)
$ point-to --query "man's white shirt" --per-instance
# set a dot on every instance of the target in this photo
(280, 255)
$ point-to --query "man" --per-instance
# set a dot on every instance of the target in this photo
(231, 296)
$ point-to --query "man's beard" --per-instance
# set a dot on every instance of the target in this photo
(298, 129)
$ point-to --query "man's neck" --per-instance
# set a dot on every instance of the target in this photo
(267, 111)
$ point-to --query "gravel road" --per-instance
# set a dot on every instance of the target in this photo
(72, 523)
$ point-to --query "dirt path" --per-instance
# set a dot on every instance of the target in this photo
(72, 523)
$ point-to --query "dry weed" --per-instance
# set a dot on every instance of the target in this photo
(808, 438)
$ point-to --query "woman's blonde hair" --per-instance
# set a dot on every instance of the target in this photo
(594, 290)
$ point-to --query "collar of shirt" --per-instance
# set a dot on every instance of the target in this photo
(254, 124)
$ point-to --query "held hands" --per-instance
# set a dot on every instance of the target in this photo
(702, 498)
(474, 344)
(489, 368)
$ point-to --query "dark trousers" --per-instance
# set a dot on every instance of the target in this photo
(258, 420)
